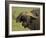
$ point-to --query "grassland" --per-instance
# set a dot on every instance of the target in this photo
(15, 12)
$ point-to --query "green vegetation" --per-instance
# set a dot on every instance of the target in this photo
(15, 12)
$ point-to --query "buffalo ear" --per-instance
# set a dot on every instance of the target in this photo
(18, 19)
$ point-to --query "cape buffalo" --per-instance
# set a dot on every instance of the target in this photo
(32, 21)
